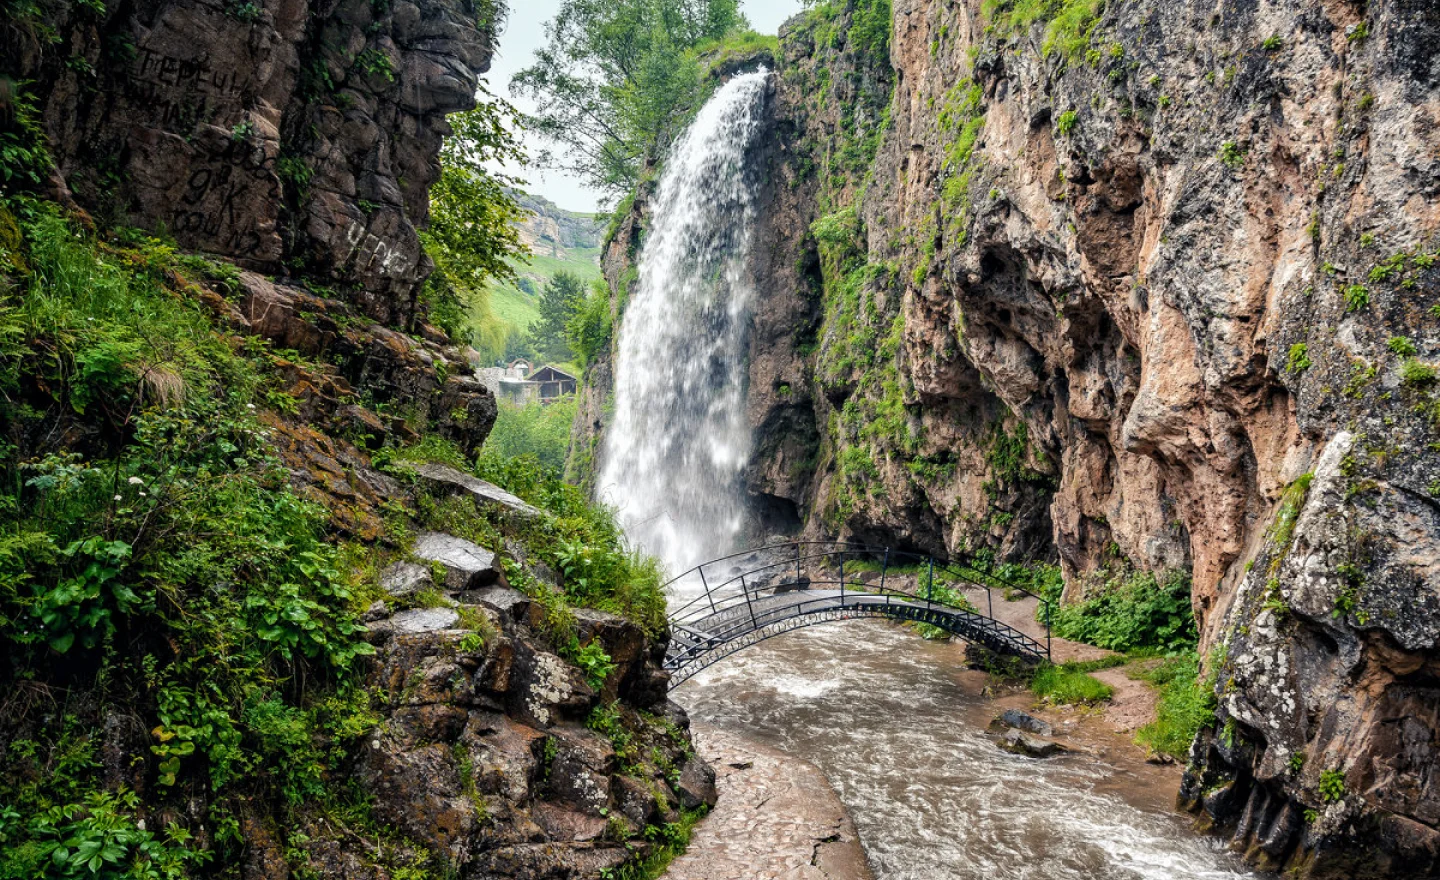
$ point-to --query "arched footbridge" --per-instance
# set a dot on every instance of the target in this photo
(742, 599)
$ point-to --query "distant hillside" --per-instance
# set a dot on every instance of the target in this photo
(552, 228)
(562, 241)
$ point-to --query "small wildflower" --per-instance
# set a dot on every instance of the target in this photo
(117, 497)
(136, 481)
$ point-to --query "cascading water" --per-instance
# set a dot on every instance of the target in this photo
(672, 457)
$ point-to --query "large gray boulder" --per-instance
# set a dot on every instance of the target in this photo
(468, 566)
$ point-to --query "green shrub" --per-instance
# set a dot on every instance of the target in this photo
(1132, 611)
(1402, 346)
(1062, 685)
(1066, 122)
(1357, 297)
(1232, 154)
(1299, 358)
(1417, 374)
(1332, 786)
(1187, 703)
(538, 429)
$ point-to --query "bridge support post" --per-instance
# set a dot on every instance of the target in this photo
(929, 581)
(990, 602)
(706, 584)
(885, 567)
(842, 578)
(797, 564)
(746, 587)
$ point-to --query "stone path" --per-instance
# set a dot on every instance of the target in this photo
(778, 819)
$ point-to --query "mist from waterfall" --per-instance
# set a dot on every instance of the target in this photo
(673, 454)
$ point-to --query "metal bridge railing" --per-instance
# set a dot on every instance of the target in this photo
(727, 607)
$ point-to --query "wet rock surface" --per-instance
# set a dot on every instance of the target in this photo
(468, 566)
(777, 817)
(487, 494)
(1021, 743)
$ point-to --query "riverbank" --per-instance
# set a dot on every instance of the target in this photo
(778, 819)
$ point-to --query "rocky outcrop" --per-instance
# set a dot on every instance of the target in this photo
(343, 372)
(548, 229)
(1121, 287)
(498, 758)
(288, 138)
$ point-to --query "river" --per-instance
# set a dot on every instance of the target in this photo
(898, 726)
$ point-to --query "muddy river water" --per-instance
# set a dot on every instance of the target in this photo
(898, 726)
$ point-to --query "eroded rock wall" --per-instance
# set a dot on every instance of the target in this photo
(292, 137)
(1109, 288)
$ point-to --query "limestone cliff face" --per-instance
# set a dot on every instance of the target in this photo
(294, 137)
(1121, 291)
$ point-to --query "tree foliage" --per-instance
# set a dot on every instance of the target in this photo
(474, 228)
(562, 296)
(618, 79)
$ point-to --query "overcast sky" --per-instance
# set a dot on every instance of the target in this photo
(525, 32)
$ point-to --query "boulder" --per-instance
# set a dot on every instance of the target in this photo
(1021, 743)
(405, 578)
(420, 620)
(452, 481)
(1014, 718)
(467, 566)
(697, 785)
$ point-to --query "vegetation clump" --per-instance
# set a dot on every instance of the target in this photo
(1129, 610)
(1187, 703)
(164, 563)
(1069, 684)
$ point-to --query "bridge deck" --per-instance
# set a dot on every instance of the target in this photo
(782, 593)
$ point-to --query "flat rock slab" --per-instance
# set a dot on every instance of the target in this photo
(486, 493)
(423, 620)
(404, 578)
(1014, 718)
(467, 566)
(1022, 743)
(778, 819)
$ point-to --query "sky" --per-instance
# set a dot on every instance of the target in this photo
(525, 32)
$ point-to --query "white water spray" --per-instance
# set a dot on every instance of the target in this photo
(672, 457)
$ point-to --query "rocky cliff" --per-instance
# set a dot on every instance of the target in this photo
(1135, 286)
(292, 138)
(1140, 284)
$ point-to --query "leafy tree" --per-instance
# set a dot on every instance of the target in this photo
(619, 78)
(562, 297)
(588, 330)
(474, 217)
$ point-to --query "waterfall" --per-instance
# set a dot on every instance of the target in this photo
(674, 452)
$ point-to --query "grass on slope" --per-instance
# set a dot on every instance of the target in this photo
(516, 307)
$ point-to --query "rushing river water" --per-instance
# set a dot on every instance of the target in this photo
(898, 727)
